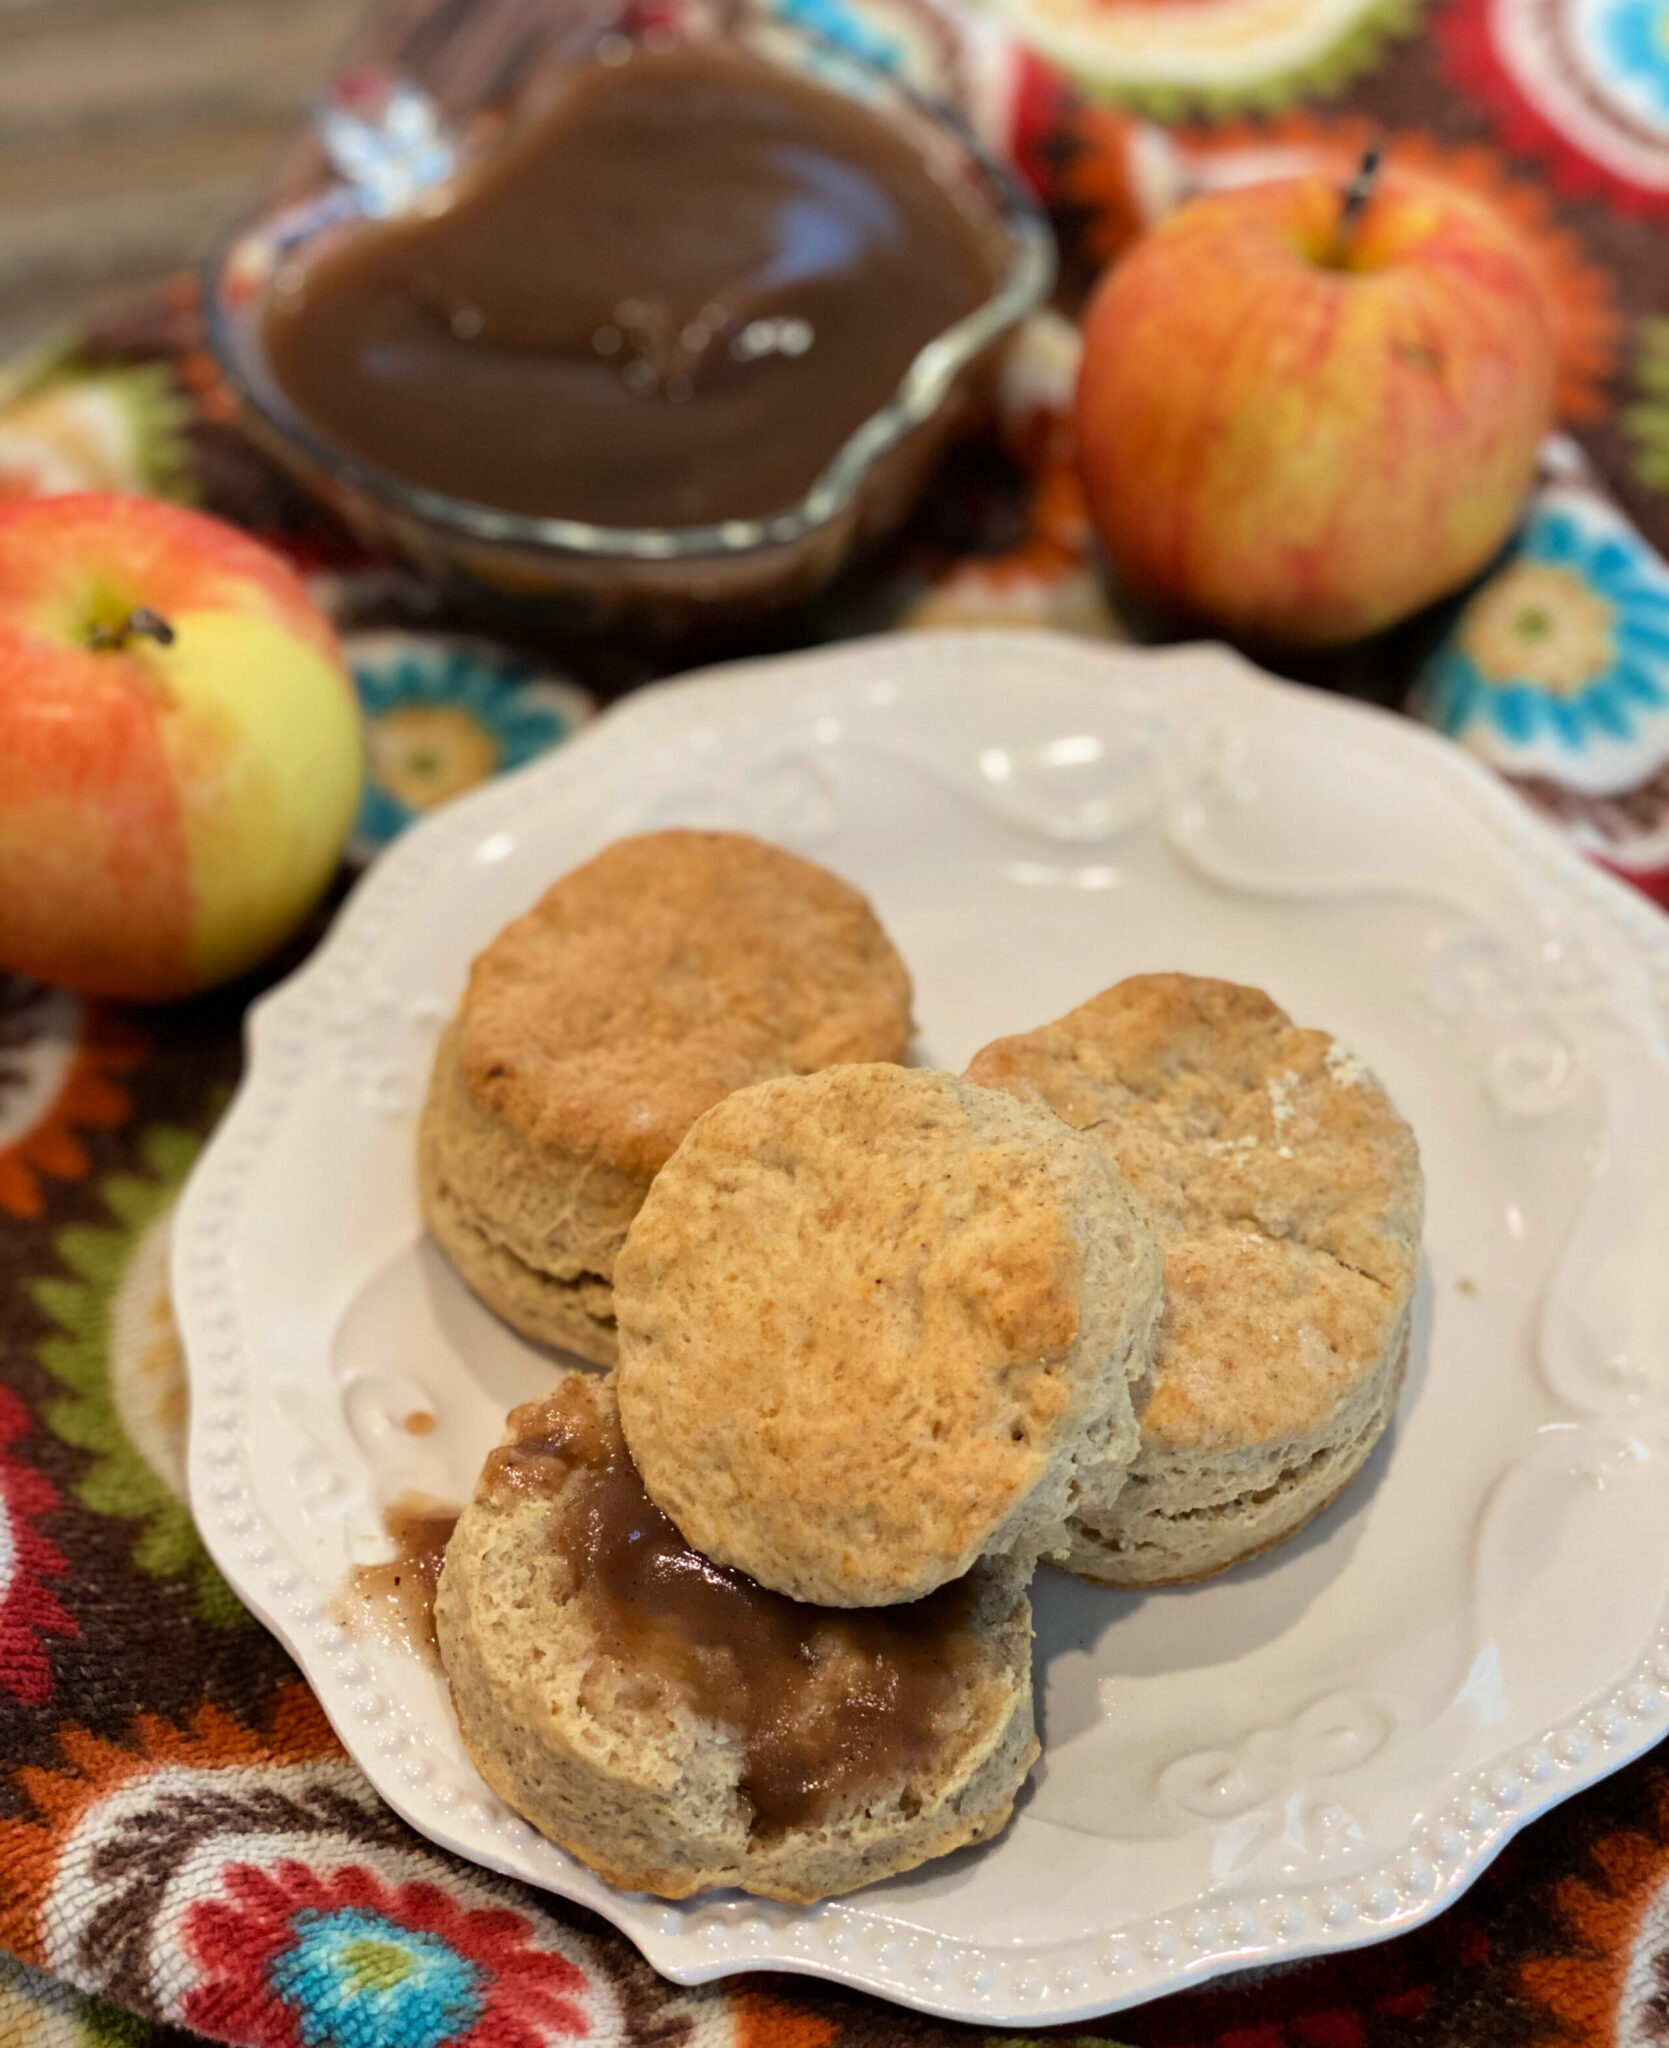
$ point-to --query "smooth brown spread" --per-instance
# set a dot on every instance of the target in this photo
(398, 1596)
(831, 1704)
(668, 300)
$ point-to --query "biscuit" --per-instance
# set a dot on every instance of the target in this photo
(878, 1323)
(676, 1728)
(640, 990)
(1286, 1192)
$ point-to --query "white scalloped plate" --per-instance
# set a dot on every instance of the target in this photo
(1323, 1747)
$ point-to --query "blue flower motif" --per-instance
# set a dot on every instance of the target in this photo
(840, 23)
(1567, 643)
(391, 149)
(353, 1977)
(443, 715)
(1634, 35)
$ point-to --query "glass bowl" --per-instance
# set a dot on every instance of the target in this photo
(392, 135)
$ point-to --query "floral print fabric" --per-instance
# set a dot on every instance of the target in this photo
(186, 1852)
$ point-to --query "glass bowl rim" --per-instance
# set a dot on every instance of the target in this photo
(1025, 283)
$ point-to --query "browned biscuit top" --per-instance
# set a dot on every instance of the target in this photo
(1282, 1184)
(866, 1319)
(660, 977)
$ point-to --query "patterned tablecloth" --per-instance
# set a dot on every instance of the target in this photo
(184, 1848)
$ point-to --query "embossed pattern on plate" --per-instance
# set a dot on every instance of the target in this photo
(1314, 1751)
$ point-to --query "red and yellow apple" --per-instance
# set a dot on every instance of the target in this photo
(180, 752)
(1299, 423)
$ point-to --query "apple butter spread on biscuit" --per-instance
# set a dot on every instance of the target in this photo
(676, 1725)
(829, 1702)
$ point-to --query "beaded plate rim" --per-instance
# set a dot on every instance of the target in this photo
(995, 1982)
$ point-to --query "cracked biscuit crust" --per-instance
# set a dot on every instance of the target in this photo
(1286, 1192)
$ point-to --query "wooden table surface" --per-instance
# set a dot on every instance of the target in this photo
(129, 132)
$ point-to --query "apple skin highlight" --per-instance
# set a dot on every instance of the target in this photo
(1298, 436)
(168, 812)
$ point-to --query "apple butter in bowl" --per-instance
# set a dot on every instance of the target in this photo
(695, 323)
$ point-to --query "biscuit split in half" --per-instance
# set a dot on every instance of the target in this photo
(676, 1727)
(878, 1323)
(1286, 1192)
(640, 990)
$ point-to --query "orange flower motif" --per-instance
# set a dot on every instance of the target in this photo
(1049, 577)
(296, 1731)
(1112, 175)
(1610, 1983)
(765, 2020)
(57, 1059)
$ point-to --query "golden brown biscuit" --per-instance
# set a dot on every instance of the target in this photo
(640, 990)
(1286, 1192)
(674, 1726)
(877, 1323)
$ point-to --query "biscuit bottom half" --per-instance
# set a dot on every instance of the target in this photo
(1183, 1515)
(531, 1232)
(677, 1727)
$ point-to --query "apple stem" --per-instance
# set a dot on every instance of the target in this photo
(141, 622)
(1356, 196)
